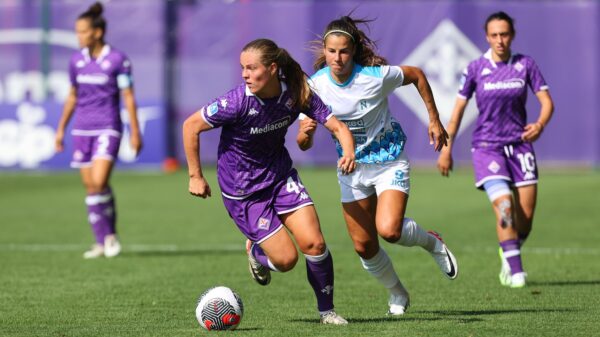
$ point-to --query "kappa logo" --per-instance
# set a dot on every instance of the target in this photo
(485, 72)
(80, 64)
(253, 112)
(224, 103)
(264, 223)
(105, 64)
(442, 55)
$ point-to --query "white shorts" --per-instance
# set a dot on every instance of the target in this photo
(375, 178)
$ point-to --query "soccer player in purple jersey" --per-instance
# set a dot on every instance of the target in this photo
(356, 82)
(503, 157)
(99, 74)
(260, 188)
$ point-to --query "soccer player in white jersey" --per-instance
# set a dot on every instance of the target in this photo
(503, 157)
(99, 75)
(355, 83)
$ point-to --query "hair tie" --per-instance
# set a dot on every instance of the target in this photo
(338, 31)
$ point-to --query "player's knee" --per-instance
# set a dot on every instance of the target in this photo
(286, 262)
(366, 248)
(391, 231)
(314, 247)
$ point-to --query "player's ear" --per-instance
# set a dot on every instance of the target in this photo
(273, 68)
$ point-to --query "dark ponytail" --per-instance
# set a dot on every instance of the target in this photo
(94, 14)
(364, 47)
(290, 71)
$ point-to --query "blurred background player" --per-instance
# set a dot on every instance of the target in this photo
(261, 190)
(503, 157)
(355, 82)
(99, 74)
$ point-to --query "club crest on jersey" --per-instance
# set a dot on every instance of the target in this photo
(289, 103)
(212, 109)
(105, 64)
(264, 223)
(519, 66)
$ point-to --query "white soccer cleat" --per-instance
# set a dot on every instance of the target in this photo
(332, 317)
(444, 257)
(518, 280)
(95, 252)
(112, 247)
(398, 304)
(505, 275)
(260, 273)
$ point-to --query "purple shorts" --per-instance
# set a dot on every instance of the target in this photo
(514, 163)
(88, 148)
(257, 215)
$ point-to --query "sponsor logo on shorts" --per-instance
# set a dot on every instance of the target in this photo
(303, 196)
(529, 176)
(264, 223)
(400, 179)
(494, 167)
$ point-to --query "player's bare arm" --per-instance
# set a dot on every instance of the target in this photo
(438, 136)
(533, 131)
(192, 127)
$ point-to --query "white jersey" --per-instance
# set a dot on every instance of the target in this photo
(361, 102)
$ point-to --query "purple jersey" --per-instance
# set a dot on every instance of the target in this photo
(252, 155)
(501, 92)
(98, 83)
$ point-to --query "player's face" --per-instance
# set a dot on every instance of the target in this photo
(261, 80)
(500, 37)
(86, 34)
(339, 50)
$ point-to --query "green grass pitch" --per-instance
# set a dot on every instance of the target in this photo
(176, 246)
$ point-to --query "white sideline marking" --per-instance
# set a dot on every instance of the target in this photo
(134, 247)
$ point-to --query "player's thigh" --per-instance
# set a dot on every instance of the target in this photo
(391, 207)
(86, 178)
(304, 225)
(101, 170)
(281, 250)
(360, 222)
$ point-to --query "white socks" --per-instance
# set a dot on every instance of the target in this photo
(413, 235)
(381, 267)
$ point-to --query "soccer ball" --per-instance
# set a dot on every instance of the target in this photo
(219, 308)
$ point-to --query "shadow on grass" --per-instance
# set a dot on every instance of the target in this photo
(182, 252)
(492, 312)
(564, 283)
(395, 319)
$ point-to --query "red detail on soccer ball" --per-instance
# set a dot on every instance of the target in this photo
(208, 324)
(231, 319)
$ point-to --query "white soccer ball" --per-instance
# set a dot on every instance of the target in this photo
(219, 308)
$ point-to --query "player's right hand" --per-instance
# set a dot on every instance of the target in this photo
(199, 187)
(58, 141)
(445, 163)
(308, 126)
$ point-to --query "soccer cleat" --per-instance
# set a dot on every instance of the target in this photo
(505, 274)
(331, 317)
(444, 257)
(398, 304)
(260, 273)
(95, 252)
(112, 247)
(518, 280)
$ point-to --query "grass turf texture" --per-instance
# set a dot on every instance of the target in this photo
(176, 246)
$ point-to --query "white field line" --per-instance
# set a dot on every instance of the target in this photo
(135, 247)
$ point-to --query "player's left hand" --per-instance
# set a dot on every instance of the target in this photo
(533, 131)
(347, 164)
(438, 137)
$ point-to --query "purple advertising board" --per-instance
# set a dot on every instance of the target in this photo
(440, 37)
